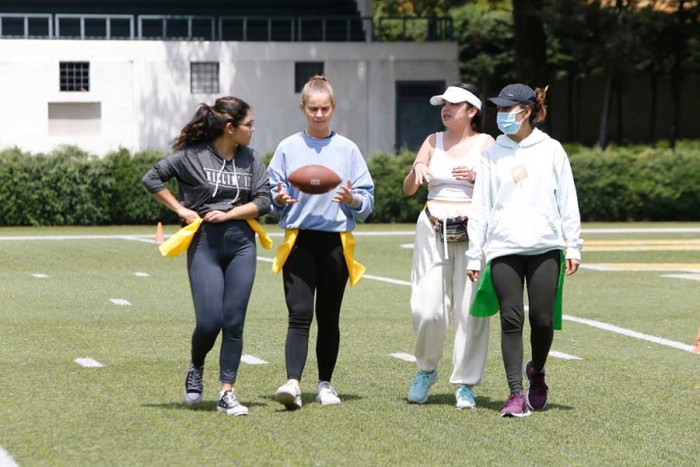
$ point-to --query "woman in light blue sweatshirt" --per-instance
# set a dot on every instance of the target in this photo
(317, 256)
(525, 219)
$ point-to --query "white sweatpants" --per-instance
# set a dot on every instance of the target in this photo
(440, 288)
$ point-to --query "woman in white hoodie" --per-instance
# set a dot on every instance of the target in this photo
(525, 219)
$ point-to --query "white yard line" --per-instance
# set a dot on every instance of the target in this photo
(6, 459)
(88, 363)
(120, 301)
(562, 355)
(40, 276)
(630, 333)
(407, 357)
(691, 277)
(252, 360)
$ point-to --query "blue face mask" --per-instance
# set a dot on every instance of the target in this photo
(506, 122)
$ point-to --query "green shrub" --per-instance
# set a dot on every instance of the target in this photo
(391, 205)
(71, 187)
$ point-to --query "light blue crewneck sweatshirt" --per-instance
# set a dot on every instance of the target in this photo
(319, 212)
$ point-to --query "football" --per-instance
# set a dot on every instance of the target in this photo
(314, 179)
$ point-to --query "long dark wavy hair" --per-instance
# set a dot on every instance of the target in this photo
(209, 122)
(477, 121)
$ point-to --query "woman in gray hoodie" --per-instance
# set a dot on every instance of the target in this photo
(224, 182)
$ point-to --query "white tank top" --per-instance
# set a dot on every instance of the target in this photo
(444, 187)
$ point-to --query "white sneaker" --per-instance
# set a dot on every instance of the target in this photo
(229, 405)
(326, 395)
(289, 395)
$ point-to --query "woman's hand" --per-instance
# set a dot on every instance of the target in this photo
(422, 173)
(344, 195)
(187, 215)
(282, 198)
(473, 275)
(462, 172)
(217, 216)
(572, 266)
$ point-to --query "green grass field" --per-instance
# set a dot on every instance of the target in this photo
(628, 401)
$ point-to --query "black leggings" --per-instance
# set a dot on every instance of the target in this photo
(316, 265)
(221, 264)
(508, 274)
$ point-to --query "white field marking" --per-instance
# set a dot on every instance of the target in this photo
(386, 279)
(643, 230)
(403, 356)
(565, 356)
(6, 459)
(629, 333)
(653, 267)
(627, 242)
(141, 274)
(120, 301)
(644, 248)
(691, 277)
(76, 237)
(262, 258)
(88, 363)
(40, 276)
(408, 246)
(251, 360)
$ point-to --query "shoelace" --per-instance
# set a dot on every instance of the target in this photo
(230, 399)
(328, 388)
(463, 392)
(424, 378)
(194, 379)
(537, 383)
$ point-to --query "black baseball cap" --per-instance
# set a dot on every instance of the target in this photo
(514, 94)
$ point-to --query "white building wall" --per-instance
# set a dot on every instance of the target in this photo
(143, 88)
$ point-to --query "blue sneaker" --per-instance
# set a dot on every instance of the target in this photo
(418, 392)
(466, 399)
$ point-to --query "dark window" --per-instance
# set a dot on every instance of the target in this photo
(204, 77)
(305, 70)
(415, 117)
(75, 76)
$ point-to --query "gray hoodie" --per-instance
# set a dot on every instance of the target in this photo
(208, 182)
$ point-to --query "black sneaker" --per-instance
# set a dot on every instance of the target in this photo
(229, 405)
(194, 386)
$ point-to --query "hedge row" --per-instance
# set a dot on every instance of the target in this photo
(71, 187)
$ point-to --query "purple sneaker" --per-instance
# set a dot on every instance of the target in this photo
(536, 394)
(515, 406)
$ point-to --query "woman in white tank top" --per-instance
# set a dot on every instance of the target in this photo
(440, 292)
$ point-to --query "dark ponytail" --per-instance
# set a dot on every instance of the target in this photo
(478, 119)
(209, 122)
(539, 112)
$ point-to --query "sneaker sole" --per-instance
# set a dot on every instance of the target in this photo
(235, 412)
(516, 415)
(466, 406)
(193, 403)
(329, 403)
(287, 400)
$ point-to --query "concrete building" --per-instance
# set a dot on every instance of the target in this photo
(102, 75)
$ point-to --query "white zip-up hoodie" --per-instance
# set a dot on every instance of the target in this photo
(524, 201)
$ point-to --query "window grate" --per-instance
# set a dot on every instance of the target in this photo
(303, 71)
(75, 76)
(204, 77)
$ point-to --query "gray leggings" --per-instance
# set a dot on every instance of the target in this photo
(221, 263)
(509, 274)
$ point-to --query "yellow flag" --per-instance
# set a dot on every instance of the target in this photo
(179, 242)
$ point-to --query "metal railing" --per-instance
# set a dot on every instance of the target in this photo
(225, 28)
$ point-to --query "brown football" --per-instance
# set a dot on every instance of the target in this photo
(314, 179)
